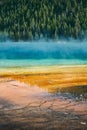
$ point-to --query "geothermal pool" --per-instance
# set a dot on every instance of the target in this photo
(43, 85)
(13, 63)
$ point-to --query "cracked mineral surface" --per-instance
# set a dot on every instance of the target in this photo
(27, 108)
(44, 101)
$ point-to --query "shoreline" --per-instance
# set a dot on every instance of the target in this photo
(51, 78)
(28, 99)
(25, 107)
(42, 69)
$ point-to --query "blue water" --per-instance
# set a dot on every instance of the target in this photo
(6, 63)
(42, 53)
(72, 49)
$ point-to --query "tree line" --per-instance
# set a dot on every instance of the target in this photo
(35, 19)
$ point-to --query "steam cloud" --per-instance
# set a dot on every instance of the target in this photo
(62, 49)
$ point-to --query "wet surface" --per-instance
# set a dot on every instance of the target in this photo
(23, 107)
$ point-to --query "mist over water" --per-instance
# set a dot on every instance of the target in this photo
(42, 49)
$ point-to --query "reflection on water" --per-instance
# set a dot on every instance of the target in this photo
(55, 94)
(33, 108)
(52, 79)
(75, 88)
(78, 93)
(44, 99)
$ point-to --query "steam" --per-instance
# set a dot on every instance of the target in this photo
(42, 49)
